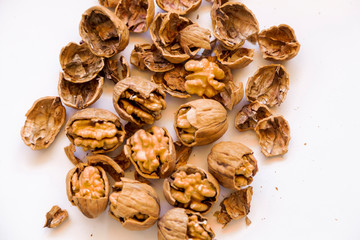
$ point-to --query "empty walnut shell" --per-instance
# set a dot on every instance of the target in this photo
(234, 23)
(43, 122)
(138, 100)
(87, 187)
(97, 130)
(278, 43)
(79, 63)
(116, 69)
(103, 31)
(200, 122)
(232, 164)
(109, 3)
(238, 58)
(80, 95)
(180, 7)
(183, 224)
(248, 117)
(134, 204)
(269, 85)
(136, 14)
(274, 135)
(191, 187)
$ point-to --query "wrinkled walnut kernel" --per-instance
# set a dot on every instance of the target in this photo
(88, 184)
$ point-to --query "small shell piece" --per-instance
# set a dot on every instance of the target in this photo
(238, 58)
(43, 122)
(180, 7)
(116, 69)
(136, 14)
(103, 31)
(79, 63)
(55, 217)
(134, 204)
(248, 117)
(109, 3)
(182, 154)
(274, 135)
(183, 224)
(232, 164)
(192, 188)
(269, 85)
(278, 43)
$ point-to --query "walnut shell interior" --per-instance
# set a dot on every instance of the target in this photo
(116, 69)
(238, 58)
(249, 116)
(180, 7)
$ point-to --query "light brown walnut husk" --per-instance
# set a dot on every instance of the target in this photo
(180, 7)
(116, 69)
(109, 3)
(250, 114)
(55, 217)
(238, 58)
(43, 122)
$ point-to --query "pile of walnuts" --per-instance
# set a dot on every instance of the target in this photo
(181, 70)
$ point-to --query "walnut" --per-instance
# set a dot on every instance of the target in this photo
(182, 224)
(269, 85)
(109, 3)
(43, 122)
(79, 63)
(136, 14)
(116, 69)
(274, 135)
(232, 164)
(146, 56)
(178, 38)
(278, 43)
(97, 130)
(138, 100)
(182, 154)
(235, 206)
(134, 204)
(248, 117)
(103, 31)
(180, 7)
(237, 58)
(55, 217)
(200, 122)
(152, 152)
(191, 188)
(80, 95)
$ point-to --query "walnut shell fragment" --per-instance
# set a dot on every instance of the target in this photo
(232, 164)
(80, 95)
(192, 188)
(43, 122)
(108, 164)
(97, 130)
(249, 116)
(79, 63)
(134, 204)
(138, 100)
(183, 224)
(269, 85)
(238, 58)
(180, 7)
(55, 217)
(274, 135)
(116, 69)
(109, 3)
(278, 43)
(234, 23)
(136, 14)
(103, 31)
(200, 122)
(182, 154)
(235, 206)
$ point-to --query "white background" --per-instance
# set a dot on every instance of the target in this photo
(318, 196)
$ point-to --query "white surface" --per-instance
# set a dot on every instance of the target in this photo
(318, 194)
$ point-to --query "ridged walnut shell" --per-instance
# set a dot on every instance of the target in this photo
(103, 31)
(134, 204)
(278, 43)
(249, 116)
(180, 7)
(43, 122)
(238, 58)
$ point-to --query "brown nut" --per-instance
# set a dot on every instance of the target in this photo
(191, 187)
(274, 135)
(269, 85)
(232, 164)
(109, 3)
(43, 122)
(278, 43)
(237, 58)
(97, 130)
(79, 63)
(55, 217)
(183, 224)
(233, 23)
(180, 7)
(138, 100)
(87, 187)
(134, 204)
(116, 69)
(80, 95)
(148, 57)
(152, 152)
(103, 31)
(200, 122)
(136, 14)
(178, 38)
(248, 117)
(235, 206)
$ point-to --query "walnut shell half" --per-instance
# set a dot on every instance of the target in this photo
(180, 7)
(238, 58)
(43, 122)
